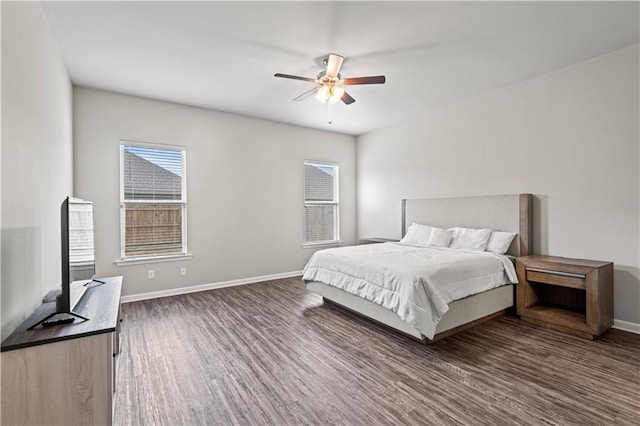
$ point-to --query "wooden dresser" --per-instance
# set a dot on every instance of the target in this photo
(570, 295)
(64, 374)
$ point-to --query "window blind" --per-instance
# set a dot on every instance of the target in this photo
(321, 202)
(153, 201)
(81, 247)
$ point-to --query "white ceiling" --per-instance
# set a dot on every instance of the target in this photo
(222, 55)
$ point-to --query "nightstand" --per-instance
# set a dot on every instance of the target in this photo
(570, 295)
(374, 240)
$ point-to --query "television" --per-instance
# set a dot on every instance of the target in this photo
(78, 260)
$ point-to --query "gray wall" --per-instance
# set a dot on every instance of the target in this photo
(36, 159)
(245, 187)
(570, 137)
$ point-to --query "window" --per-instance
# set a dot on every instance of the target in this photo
(153, 202)
(321, 203)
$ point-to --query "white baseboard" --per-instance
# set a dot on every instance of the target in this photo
(203, 287)
(626, 326)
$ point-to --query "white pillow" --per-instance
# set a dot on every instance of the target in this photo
(417, 235)
(439, 237)
(470, 239)
(499, 241)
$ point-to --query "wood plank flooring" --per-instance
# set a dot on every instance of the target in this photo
(272, 353)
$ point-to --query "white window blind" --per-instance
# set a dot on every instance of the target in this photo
(81, 247)
(153, 201)
(321, 205)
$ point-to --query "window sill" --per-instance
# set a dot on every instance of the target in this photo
(322, 244)
(151, 259)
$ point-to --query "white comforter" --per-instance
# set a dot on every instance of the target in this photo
(416, 283)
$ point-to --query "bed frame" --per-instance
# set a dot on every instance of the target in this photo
(510, 213)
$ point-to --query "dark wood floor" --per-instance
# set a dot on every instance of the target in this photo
(272, 353)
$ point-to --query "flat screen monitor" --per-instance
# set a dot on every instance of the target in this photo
(78, 251)
(78, 261)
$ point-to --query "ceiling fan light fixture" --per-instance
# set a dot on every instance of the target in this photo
(329, 93)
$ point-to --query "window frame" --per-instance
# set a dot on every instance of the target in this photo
(151, 258)
(336, 203)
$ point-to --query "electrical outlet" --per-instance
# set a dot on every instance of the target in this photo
(183, 271)
(152, 274)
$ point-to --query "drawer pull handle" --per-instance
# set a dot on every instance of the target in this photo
(564, 274)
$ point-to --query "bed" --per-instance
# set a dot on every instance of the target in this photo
(383, 263)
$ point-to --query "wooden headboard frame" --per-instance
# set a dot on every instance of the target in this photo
(511, 213)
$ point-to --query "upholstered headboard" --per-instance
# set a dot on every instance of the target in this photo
(511, 213)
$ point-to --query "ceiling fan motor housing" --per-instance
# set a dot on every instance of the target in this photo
(322, 75)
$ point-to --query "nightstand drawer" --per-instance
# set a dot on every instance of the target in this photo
(558, 278)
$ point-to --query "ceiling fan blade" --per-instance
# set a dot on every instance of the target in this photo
(347, 99)
(378, 79)
(333, 65)
(306, 94)
(294, 77)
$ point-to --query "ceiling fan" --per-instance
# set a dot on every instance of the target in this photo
(330, 84)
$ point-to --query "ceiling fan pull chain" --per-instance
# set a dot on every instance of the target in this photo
(329, 113)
